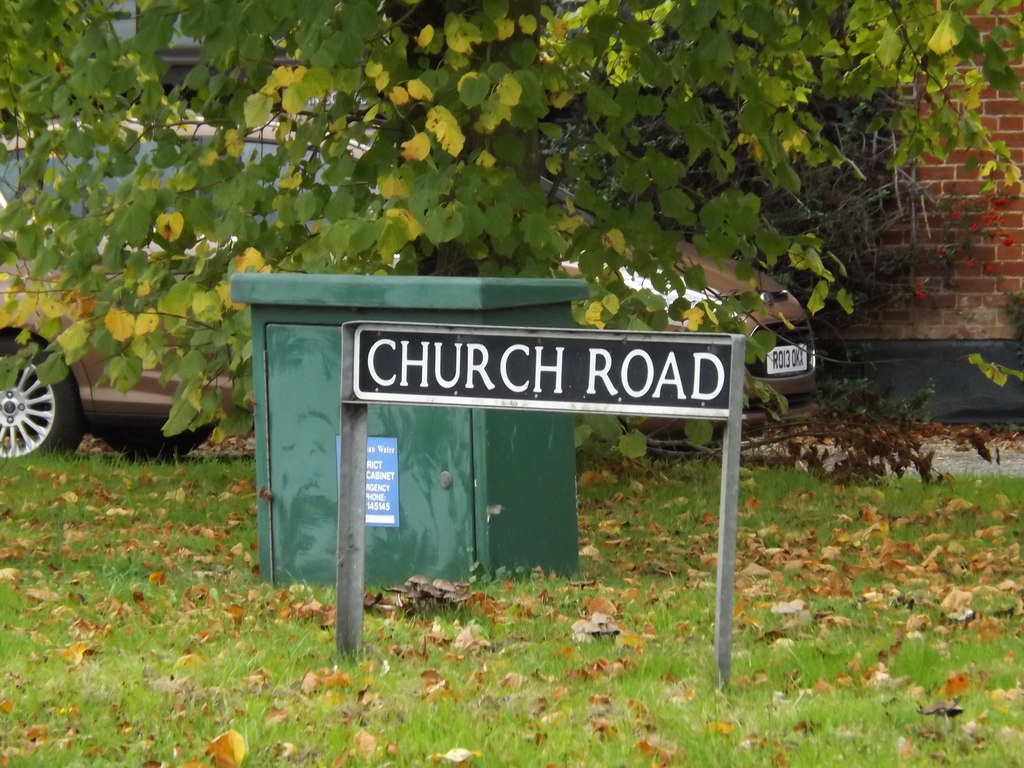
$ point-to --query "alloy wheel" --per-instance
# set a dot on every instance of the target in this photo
(27, 413)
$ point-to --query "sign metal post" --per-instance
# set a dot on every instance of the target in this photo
(687, 375)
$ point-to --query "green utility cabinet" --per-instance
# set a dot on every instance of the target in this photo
(483, 489)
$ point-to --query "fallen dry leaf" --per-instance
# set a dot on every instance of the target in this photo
(469, 639)
(364, 742)
(227, 750)
(512, 680)
(277, 715)
(784, 608)
(601, 604)
(42, 595)
(955, 685)
(755, 571)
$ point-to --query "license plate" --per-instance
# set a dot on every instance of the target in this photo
(787, 359)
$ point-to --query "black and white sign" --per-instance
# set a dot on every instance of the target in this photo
(658, 374)
(668, 374)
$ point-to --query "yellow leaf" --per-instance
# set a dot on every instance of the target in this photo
(419, 90)
(485, 159)
(206, 306)
(694, 316)
(208, 158)
(51, 307)
(290, 182)
(144, 289)
(284, 76)
(720, 726)
(392, 185)
(461, 34)
(426, 35)
(74, 338)
(224, 294)
(147, 322)
(121, 324)
(249, 260)
(399, 96)
(445, 127)
(570, 223)
(75, 653)
(506, 28)
(169, 225)
(635, 642)
(509, 90)
(594, 313)
(611, 303)
(559, 99)
(946, 34)
(233, 143)
(227, 750)
(373, 68)
(416, 148)
(189, 660)
(528, 23)
(413, 228)
(615, 240)
(492, 114)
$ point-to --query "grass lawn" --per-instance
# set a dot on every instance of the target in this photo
(134, 630)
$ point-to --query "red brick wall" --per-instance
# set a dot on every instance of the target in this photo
(973, 245)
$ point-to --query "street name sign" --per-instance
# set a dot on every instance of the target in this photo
(669, 374)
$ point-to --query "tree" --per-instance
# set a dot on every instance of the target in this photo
(406, 141)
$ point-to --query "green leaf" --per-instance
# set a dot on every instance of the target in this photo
(257, 110)
(633, 444)
(124, 372)
(52, 369)
(699, 431)
(474, 87)
(177, 301)
(997, 69)
(890, 47)
(816, 302)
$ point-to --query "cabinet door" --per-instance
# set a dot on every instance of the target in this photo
(435, 534)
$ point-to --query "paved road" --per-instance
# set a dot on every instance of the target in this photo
(1005, 461)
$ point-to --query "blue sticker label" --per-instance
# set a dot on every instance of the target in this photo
(382, 481)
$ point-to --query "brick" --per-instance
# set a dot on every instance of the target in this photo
(1010, 125)
(1010, 268)
(1001, 107)
(967, 187)
(982, 285)
(935, 172)
(968, 302)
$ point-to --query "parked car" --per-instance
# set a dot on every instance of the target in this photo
(54, 417)
(787, 373)
(789, 370)
(35, 416)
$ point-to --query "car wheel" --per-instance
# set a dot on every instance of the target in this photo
(38, 417)
(148, 442)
